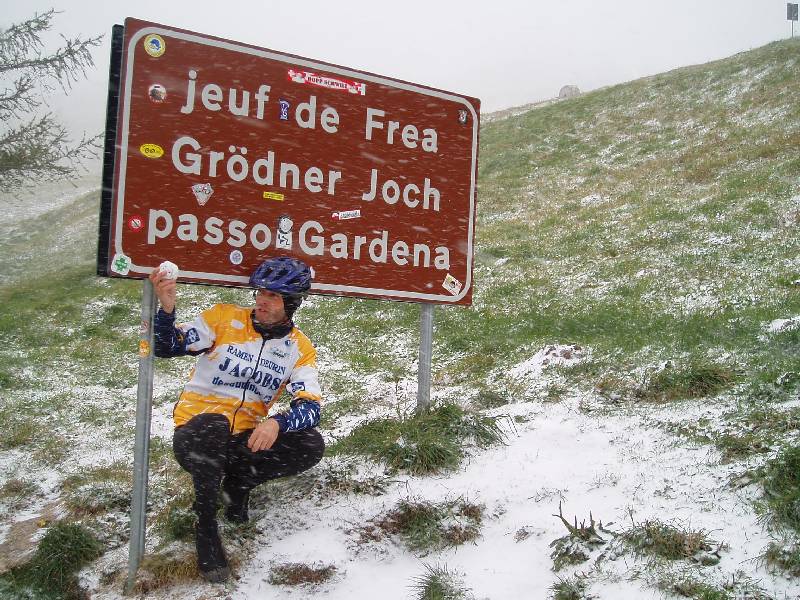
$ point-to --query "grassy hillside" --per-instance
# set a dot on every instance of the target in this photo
(650, 220)
(654, 224)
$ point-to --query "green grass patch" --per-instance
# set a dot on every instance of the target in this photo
(177, 520)
(118, 472)
(18, 431)
(694, 380)
(570, 588)
(488, 398)
(689, 587)
(99, 490)
(99, 498)
(17, 493)
(781, 482)
(63, 551)
(428, 442)
(330, 480)
(672, 541)
(785, 558)
(343, 406)
(756, 426)
(439, 583)
(15, 488)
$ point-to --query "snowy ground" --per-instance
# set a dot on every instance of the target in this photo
(611, 458)
(607, 466)
(620, 467)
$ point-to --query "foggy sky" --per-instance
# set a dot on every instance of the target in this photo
(505, 52)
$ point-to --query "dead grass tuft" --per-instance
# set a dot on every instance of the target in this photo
(300, 574)
(425, 526)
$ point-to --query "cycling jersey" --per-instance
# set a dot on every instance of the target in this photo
(240, 373)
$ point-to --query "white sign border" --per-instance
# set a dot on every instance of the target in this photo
(120, 200)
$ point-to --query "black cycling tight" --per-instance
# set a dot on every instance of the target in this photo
(205, 447)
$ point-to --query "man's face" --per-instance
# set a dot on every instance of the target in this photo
(269, 307)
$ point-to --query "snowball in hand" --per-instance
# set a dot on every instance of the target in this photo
(170, 269)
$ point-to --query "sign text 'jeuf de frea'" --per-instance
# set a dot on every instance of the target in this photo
(227, 154)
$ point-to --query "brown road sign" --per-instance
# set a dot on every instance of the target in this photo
(227, 154)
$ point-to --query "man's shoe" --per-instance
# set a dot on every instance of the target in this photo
(236, 502)
(211, 559)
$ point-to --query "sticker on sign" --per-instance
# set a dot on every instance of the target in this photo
(347, 214)
(368, 179)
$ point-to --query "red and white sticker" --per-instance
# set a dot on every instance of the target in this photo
(333, 83)
(135, 223)
(347, 214)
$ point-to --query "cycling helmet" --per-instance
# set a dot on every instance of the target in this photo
(289, 277)
(284, 275)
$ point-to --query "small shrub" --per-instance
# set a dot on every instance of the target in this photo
(785, 558)
(576, 547)
(781, 483)
(63, 551)
(696, 380)
(425, 526)
(300, 574)
(673, 542)
(573, 588)
(697, 590)
(438, 583)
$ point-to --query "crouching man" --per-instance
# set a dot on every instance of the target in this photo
(224, 435)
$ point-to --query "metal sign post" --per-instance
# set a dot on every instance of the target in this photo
(141, 448)
(425, 356)
(791, 14)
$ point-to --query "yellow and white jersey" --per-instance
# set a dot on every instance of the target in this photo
(239, 373)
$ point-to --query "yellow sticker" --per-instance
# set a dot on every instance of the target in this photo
(144, 349)
(154, 45)
(151, 150)
(273, 196)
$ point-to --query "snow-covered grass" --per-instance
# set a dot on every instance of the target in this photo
(634, 334)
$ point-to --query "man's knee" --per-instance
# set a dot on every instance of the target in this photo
(201, 441)
(310, 447)
(302, 449)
